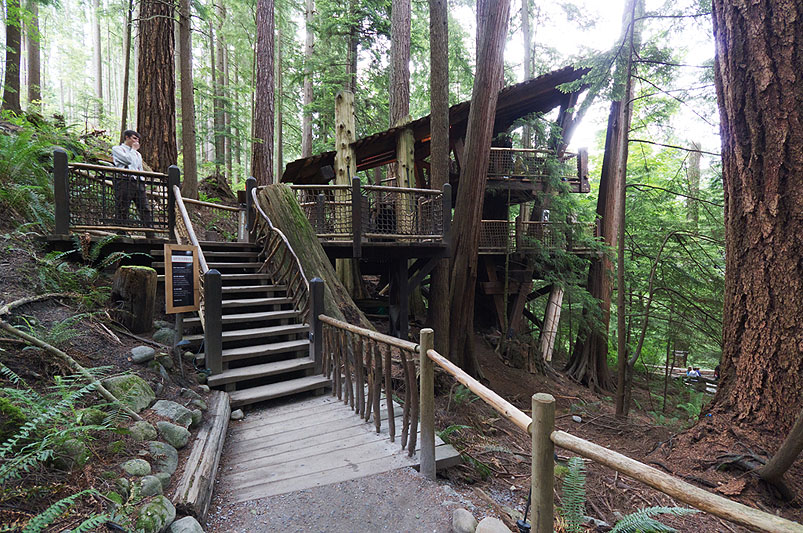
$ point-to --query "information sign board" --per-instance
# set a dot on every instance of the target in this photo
(182, 278)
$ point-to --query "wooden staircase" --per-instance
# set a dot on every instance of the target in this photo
(266, 347)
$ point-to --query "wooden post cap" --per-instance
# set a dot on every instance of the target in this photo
(543, 397)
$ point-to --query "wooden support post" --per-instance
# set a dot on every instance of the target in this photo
(551, 319)
(316, 326)
(61, 190)
(399, 299)
(173, 179)
(543, 462)
(582, 169)
(519, 225)
(356, 218)
(250, 184)
(345, 169)
(447, 218)
(427, 342)
(213, 321)
(320, 213)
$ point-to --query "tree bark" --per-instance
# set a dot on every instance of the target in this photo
(528, 61)
(757, 70)
(218, 77)
(439, 158)
(399, 96)
(227, 107)
(306, 120)
(262, 154)
(11, 85)
(473, 175)
(693, 176)
(791, 447)
(156, 85)
(189, 187)
(279, 106)
(126, 69)
(133, 297)
(353, 43)
(98, 57)
(33, 38)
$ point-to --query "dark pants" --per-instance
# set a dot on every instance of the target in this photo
(126, 190)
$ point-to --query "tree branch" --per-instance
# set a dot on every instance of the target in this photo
(675, 147)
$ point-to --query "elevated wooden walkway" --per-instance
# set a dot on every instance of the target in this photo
(308, 443)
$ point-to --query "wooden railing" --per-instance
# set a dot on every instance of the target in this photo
(535, 165)
(220, 222)
(359, 213)
(364, 366)
(545, 437)
(280, 262)
(509, 236)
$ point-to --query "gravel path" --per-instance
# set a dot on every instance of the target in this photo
(400, 500)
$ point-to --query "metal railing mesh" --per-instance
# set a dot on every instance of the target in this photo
(530, 164)
(503, 236)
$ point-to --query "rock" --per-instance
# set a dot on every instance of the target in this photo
(72, 453)
(150, 486)
(197, 417)
(156, 366)
(200, 377)
(142, 354)
(124, 486)
(237, 414)
(156, 516)
(577, 419)
(204, 388)
(91, 417)
(131, 390)
(189, 357)
(176, 436)
(165, 360)
(164, 456)
(142, 431)
(164, 479)
(463, 521)
(159, 388)
(200, 404)
(166, 336)
(490, 524)
(189, 393)
(161, 324)
(173, 411)
(186, 525)
(136, 467)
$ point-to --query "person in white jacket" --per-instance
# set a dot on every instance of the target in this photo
(128, 187)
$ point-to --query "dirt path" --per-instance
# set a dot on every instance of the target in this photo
(400, 500)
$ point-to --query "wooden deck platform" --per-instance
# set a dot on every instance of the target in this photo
(308, 443)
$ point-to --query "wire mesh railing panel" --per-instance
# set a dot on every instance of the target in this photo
(214, 223)
(415, 214)
(530, 164)
(495, 235)
(112, 197)
(328, 209)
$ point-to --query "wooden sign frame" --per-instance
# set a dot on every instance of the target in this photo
(196, 277)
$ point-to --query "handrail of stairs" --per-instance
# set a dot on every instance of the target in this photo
(185, 234)
(281, 261)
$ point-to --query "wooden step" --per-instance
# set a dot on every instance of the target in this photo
(255, 333)
(260, 350)
(248, 302)
(277, 390)
(234, 254)
(234, 289)
(218, 265)
(229, 277)
(259, 371)
(247, 317)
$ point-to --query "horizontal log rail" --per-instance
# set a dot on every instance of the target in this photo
(108, 168)
(508, 236)
(211, 205)
(545, 437)
(362, 366)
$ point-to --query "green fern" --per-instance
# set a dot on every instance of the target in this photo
(574, 496)
(39, 522)
(91, 523)
(642, 521)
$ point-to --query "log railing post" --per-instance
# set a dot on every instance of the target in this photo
(173, 178)
(447, 215)
(213, 321)
(316, 326)
(320, 213)
(356, 217)
(61, 190)
(543, 462)
(250, 184)
(427, 397)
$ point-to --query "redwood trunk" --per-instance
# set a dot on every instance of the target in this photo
(262, 154)
(399, 98)
(218, 77)
(306, 121)
(189, 187)
(126, 69)
(473, 175)
(11, 85)
(156, 85)
(758, 68)
(33, 36)
(98, 59)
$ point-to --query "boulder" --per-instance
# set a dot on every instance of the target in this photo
(204, 388)
(173, 411)
(123, 487)
(136, 467)
(142, 431)
(164, 479)
(200, 404)
(186, 525)
(150, 486)
(156, 516)
(164, 456)
(142, 354)
(189, 393)
(490, 524)
(131, 390)
(197, 417)
(463, 521)
(159, 324)
(175, 436)
(237, 414)
(72, 453)
(165, 360)
(166, 336)
(91, 416)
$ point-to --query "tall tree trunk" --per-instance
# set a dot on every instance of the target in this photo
(439, 157)
(306, 120)
(227, 107)
(399, 98)
(353, 42)
(528, 61)
(11, 85)
(218, 77)
(279, 105)
(97, 49)
(237, 132)
(693, 176)
(34, 37)
(126, 68)
(262, 152)
(156, 85)
(189, 187)
(473, 176)
(757, 71)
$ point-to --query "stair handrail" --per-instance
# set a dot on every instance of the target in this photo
(288, 269)
(188, 230)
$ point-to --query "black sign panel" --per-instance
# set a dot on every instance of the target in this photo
(183, 278)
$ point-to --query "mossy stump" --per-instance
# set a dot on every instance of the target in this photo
(133, 297)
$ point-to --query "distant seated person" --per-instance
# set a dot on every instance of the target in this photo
(716, 372)
(129, 187)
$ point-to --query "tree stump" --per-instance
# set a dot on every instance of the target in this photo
(133, 297)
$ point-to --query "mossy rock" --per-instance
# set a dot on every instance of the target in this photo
(136, 467)
(91, 416)
(164, 457)
(166, 336)
(176, 436)
(156, 516)
(142, 431)
(70, 454)
(11, 419)
(131, 390)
